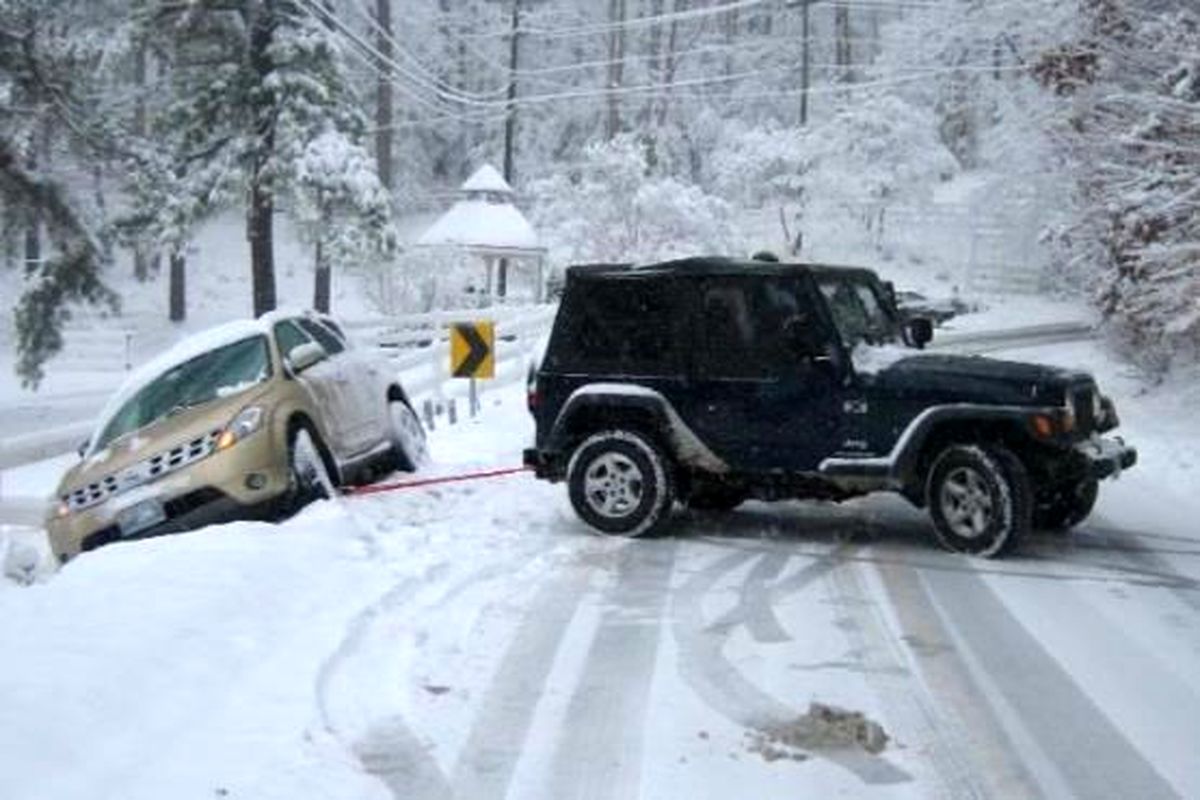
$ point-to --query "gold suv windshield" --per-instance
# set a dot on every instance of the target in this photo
(217, 373)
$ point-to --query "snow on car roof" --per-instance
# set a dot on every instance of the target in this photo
(183, 351)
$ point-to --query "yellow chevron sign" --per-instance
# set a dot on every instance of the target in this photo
(472, 349)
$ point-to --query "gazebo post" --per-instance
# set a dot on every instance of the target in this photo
(540, 293)
(490, 264)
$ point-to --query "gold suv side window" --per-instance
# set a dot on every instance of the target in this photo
(289, 336)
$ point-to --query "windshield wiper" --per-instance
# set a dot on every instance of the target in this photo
(179, 408)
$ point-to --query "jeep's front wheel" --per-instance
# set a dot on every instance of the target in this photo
(979, 498)
(620, 483)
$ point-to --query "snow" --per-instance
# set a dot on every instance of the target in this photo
(487, 179)
(873, 358)
(477, 639)
(481, 224)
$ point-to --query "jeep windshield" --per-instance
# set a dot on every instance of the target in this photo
(858, 311)
(215, 374)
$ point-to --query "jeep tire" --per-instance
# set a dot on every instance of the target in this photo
(620, 483)
(1066, 506)
(980, 499)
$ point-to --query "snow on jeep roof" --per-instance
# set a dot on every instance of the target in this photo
(708, 265)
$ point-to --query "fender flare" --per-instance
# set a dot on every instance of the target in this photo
(617, 399)
(896, 468)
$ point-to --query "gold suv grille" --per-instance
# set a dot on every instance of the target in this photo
(143, 472)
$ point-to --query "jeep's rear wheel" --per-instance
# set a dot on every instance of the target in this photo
(979, 498)
(1066, 506)
(620, 483)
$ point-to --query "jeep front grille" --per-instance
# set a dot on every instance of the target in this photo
(143, 472)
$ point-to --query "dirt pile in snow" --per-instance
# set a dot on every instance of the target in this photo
(822, 727)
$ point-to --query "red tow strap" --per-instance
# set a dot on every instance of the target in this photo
(378, 488)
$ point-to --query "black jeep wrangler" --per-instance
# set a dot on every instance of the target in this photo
(712, 380)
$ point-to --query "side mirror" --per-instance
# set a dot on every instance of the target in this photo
(920, 331)
(83, 447)
(304, 356)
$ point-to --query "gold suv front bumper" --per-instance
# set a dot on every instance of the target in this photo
(243, 481)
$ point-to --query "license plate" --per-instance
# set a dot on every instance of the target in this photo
(138, 518)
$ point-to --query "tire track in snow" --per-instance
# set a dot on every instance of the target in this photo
(501, 727)
(913, 714)
(599, 755)
(1068, 742)
(388, 749)
(721, 685)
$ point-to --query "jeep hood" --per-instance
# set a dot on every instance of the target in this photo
(950, 378)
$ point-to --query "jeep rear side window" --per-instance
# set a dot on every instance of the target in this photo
(742, 326)
(620, 327)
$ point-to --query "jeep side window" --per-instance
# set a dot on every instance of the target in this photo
(621, 327)
(742, 327)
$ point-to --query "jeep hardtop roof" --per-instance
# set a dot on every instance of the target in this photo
(713, 265)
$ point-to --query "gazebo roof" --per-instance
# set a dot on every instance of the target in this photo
(483, 224)
(487, 179)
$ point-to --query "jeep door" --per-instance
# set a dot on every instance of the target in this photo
(759, 402)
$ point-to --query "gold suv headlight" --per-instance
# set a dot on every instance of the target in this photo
(247, 421)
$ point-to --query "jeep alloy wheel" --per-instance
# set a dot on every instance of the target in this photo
(979, 498)
(619, 483)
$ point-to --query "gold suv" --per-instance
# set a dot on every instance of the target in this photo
(245, 421)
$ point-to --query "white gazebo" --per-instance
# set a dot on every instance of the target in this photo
(485, 223)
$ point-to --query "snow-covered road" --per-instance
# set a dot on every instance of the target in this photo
(476, 641)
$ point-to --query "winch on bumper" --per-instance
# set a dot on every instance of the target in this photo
(1106, 457)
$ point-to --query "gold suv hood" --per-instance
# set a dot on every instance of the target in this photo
(152, 452)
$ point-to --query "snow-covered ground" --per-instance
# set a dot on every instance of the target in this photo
(475, 640)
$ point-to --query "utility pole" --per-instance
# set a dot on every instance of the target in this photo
(384, 108)
(510, 117)
(804, 62)
(510, 125)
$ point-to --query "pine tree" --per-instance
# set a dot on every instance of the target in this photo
(49, 85)
(256, 84)
(1130, 128)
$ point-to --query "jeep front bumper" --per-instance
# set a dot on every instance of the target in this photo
(1106, 457)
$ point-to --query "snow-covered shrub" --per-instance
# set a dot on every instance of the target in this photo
(1129, 125)
(609, 209)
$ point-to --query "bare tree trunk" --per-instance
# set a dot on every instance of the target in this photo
(616, 66)
(841, 25)
(177, 287)
(322, 287)
(260, 225)
(805, 59)
(731, 33)
(141, 265)
(260, 221)
(655, 62)
(33, 228)
(384, 107)
(670, 63)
